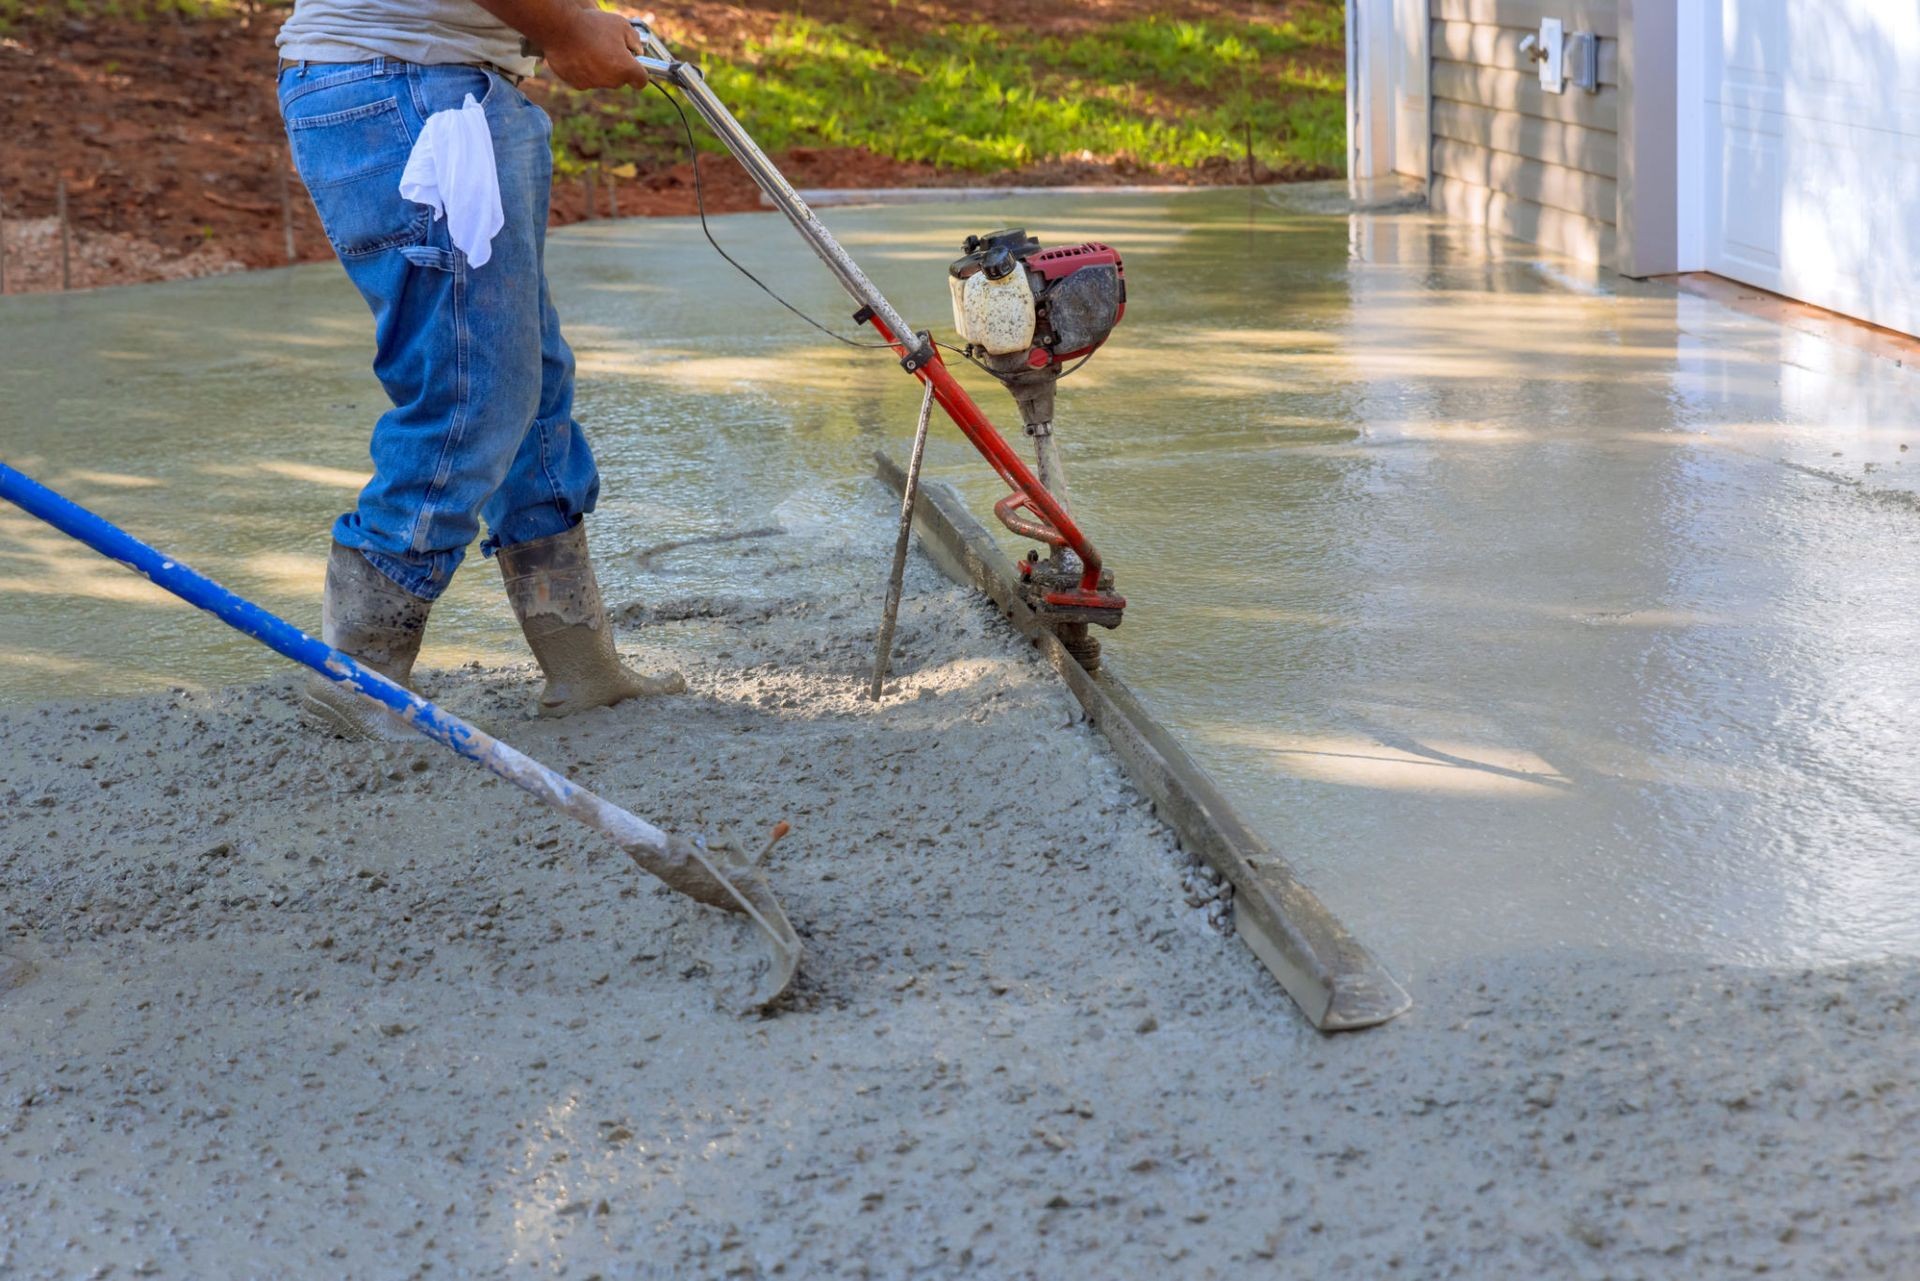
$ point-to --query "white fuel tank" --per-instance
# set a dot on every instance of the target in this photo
(997, 315)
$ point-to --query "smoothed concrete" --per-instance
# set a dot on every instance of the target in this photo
(1531, 613)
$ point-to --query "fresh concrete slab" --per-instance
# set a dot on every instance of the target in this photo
(1532, 614)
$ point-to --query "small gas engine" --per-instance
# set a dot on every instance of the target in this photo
(1024, 312)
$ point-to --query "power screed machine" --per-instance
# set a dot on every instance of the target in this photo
(1025, 313)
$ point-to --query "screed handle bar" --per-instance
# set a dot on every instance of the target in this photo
(646, 844)
(687, 78)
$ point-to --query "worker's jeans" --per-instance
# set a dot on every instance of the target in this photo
(472, 358)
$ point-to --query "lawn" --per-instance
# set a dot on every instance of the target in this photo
(157, 120)
(1157, 90)
(1152, 91)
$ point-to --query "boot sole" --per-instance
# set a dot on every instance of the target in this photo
(665, 687)
(324, 716)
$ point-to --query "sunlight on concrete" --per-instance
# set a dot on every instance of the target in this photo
(824, 370)
(309, 473)
(1439, 766)
(1519, 604)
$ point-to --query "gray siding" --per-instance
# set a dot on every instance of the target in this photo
(1510, 156)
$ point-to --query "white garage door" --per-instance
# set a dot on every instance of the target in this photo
(1810, 163)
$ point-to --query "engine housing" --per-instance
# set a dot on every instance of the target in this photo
(1078, 294)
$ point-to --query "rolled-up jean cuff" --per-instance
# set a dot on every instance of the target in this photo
(426, 576)
(528, 526)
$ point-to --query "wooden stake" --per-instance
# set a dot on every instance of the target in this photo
(286, 204)
(909, 497)
(588, 179)
(66, 247)
(613, 195)
(1252, 181)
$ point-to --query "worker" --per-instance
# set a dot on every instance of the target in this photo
(467, 343)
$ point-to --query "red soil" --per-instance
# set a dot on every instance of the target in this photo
(168, 138)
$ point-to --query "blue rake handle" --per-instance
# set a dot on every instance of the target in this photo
(647, 845)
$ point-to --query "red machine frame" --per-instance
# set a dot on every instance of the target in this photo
(1055, 527)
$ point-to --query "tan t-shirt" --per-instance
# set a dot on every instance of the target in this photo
(423, 31)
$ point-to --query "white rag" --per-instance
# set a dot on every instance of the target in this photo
(452, 170)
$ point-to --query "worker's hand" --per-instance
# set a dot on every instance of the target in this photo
(595, 50)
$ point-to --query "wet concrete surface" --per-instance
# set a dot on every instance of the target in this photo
(1523, 606)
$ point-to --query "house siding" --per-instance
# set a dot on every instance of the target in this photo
(1510, 156)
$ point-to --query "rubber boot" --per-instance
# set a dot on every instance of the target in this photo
(376, 622)
(551, 586)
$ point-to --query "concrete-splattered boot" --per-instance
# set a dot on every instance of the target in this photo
(554, 594)
(374, 620)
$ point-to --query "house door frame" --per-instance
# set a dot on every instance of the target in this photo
(1389, 127)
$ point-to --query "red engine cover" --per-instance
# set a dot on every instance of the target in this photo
(1057, 264)
(1067, 259)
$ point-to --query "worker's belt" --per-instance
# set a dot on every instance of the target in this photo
(512, 78)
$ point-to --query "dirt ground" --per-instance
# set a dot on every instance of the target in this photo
(279, 1008)
(168, 138)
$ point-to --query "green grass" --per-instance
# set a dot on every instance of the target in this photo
(981, 99)
(1154, 91)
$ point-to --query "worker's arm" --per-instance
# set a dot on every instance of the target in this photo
(586, 46)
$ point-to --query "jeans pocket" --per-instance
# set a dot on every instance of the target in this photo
(351, 161)
(435, 258)
(445, 88)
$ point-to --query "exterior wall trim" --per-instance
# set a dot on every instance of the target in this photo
(1648, 218)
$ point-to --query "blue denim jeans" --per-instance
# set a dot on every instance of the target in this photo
(472, 358)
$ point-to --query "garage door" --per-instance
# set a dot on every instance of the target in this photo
(1811, 156)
